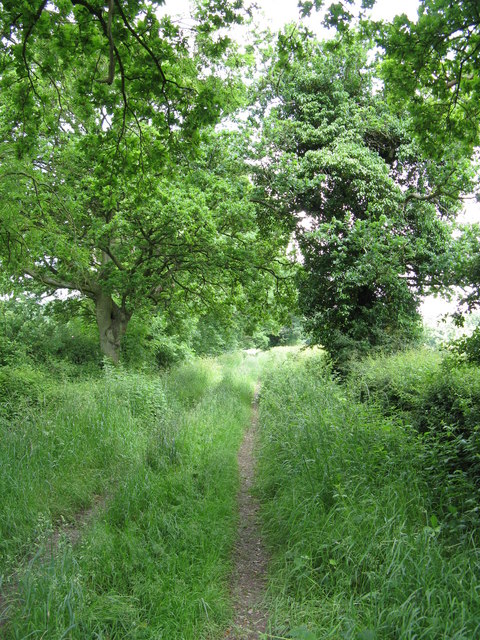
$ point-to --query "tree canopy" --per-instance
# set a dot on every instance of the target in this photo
(112, 183)
(117, 182)
(370, 205)
(431, 66)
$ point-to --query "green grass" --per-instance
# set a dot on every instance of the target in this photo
(365, 543)
(358, 549)
(156, 562)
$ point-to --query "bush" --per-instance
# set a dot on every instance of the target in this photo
(20, 385)
(33, 332)
(467, 348)
(440, 398)
(396, 382)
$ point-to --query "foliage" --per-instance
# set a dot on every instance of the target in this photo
(32, 332)
(396, 382)
(359, 527)
(365, 201)
(338, 14)
(123, 192)
(432, 66)
(154, 561)
(440, 398)
(467, 347)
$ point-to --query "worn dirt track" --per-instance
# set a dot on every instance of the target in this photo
(249, 575)
(46, 551)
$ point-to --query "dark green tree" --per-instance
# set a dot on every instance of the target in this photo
(365, 202)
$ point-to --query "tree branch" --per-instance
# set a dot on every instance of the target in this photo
(111, 46)
(454, 83)
(56, 283)
(113, 258)
(28, 33)
(145, 46)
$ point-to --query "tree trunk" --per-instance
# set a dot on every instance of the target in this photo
(112, 322)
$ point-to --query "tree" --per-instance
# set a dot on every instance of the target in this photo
(366, 203)
(111, 182)
(150, 238)
(431, 66)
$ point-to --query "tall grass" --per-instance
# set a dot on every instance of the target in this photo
(359, 551)
(155, 563)
(58, 452)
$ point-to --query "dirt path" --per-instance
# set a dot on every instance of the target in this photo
(248, 586)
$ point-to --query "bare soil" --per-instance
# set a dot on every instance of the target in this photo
(250, 558)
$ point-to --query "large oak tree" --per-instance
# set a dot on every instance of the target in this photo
(368, 205)
(112, 183)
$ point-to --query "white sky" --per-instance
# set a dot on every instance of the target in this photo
(278, 12)
(275, 13)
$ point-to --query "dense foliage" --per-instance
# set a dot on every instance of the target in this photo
(432, 66)
(366, 203)
(113, 186)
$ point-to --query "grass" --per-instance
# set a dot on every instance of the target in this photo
(358, 550)
(156, 563)
(365, 543)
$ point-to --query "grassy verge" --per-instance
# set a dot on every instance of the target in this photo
(156, 563)
(359, 550)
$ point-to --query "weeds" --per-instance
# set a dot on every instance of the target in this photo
(155, 564)
(359, 550)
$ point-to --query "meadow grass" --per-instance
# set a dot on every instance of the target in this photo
(156, 562)
(358, 550)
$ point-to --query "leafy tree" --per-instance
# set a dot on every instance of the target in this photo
(431, 66)
(365, 201)
(111, 184)
(33, 332)
(337, 14)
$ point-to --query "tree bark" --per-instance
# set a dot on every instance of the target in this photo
(112, 322)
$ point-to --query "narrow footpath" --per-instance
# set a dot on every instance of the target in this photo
(249, 575)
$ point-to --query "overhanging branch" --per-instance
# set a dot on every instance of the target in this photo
(111, 46)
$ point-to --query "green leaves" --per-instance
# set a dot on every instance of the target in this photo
(363, 196)
(116, 186)
(431, 66)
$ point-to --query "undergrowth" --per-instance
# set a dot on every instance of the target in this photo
(440, 398)
(155, 562)
(359, 546)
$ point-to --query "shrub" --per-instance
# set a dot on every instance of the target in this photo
(467, 347)
(440, 398)
(20, 385)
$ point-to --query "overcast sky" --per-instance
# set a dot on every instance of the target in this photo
(278, 12)
(275, 13)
